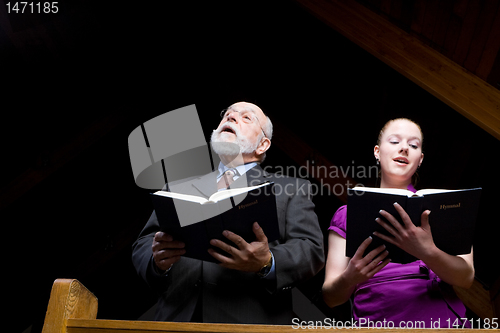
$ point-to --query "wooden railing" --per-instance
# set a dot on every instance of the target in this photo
(466, 93)
(73, 309)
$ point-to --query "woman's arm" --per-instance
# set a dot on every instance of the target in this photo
(342, 275)
(418, 241)
(336, 290)
(455, 270)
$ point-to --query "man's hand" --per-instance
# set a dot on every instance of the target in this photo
(166, 250)
(247, 257)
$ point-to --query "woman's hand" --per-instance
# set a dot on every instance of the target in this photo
(342, 274)
(417, 241)
(362, 268)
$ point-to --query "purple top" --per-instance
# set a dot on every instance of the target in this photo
(410, 295)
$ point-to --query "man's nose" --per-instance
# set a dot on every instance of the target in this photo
(231, 116)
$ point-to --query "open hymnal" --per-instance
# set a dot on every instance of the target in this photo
(452, 218)
(234, 209)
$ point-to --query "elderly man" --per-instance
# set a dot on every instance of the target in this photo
(252, 283)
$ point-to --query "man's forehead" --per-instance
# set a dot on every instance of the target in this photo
(243, 106)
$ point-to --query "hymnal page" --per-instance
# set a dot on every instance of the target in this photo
(216, 197)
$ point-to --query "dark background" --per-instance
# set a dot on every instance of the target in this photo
(76, 83)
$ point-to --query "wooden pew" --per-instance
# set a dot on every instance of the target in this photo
(73, 309)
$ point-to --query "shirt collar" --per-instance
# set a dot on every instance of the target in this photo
(240, 168)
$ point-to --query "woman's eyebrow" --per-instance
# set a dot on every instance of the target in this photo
(401, 135)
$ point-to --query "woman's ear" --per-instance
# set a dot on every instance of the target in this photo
(376, 152)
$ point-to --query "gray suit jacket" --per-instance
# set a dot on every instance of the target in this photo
(228, 296)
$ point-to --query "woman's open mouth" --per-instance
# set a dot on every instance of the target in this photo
(401, 160)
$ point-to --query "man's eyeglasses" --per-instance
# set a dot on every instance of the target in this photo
(247, 116)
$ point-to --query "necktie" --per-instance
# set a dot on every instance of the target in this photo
(226, 180)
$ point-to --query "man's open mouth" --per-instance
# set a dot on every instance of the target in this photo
(228, 129)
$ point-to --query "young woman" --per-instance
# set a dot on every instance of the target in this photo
(401, 295)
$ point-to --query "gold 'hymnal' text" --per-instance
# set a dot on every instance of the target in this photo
(445, 207)
(248, 204)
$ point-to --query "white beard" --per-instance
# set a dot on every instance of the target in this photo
(241, 145)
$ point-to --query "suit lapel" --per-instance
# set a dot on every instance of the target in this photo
(206, 184)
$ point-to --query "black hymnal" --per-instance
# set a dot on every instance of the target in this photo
(195, 220)
(452, 218)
